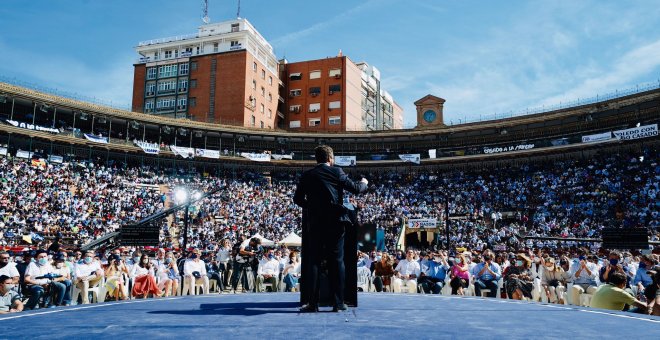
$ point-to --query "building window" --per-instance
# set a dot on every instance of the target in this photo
(165, 104)
(165, 87)
(254, 66)
(215, 47)
(314, 107)
(315, 122)
(149, 106)
(263, 91)
(270, 113)
(192, 101)
(334, 105)
(193, 83)
(183, 69)
(270, 80)
(176, 53)
(261, 109)
(167, 71)
(270, 97)
(295, 76)
(183, 85)
(334, 88)
(193, 66)
(336, 73)
(334, 120)
(151, 89)
(187, 52)
(156, 55)
(295, 93)
(197, 50)
(181, 105)
(151, 73)
(254, 84)
(263, 74)
(234, 27)
(262, 124)
(253, 121)
(294, 108)
(315, 75)
(294, 124)
(168, 54)
(234, 43)
(314, 91)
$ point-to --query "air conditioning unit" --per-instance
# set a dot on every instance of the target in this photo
(331, 92)
(150, 93)
(337, 76)
(313, 110)
(314, 94)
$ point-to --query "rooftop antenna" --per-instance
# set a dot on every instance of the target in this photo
(205, 12)
(238, 11)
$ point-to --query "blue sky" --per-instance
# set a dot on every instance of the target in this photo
(483, 57)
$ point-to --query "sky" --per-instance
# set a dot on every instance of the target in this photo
(485, 58)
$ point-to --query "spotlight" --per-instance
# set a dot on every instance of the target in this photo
(181, 195)
(638, 124)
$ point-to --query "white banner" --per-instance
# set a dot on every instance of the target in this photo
(206, 153)
(637, 132)
(150, 148)
(183, 151)
(96, 139)
(432, 153)
(599, 137)
(345, 160)
(3, 151)
(279, 157)
(499, 149)
(422, 223)
(412, 158)
(56, 159)
(32, 127)
(23, 154)
(257, 157)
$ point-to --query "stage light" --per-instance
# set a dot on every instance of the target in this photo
(638, 125)
(181, 195)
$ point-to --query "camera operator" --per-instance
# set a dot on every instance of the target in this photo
(247, 262)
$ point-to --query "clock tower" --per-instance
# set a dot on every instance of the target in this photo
(429, 112)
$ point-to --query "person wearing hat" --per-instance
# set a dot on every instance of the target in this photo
(62, 285)
(518, 280)
(554, 280)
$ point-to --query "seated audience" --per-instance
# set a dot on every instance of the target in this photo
(486, 275)
(8, 268)
(37, 285)
(116, 275)
(613, 296)
(144, 279)
(433, 275)
(291, 272)
(554, 280)
(406, 274)
(61, 285)
(518, 279)
(10, 301)
(583, 274)
(268, 271)
(168, 273)
(194, 271)
(383, 272)
(460, 275)
(88, 275)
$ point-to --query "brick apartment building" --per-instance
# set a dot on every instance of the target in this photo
(226, 73)
(336, 94)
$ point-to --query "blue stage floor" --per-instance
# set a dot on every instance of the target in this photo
(275, 316)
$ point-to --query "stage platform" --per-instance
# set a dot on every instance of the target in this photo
(276, 316)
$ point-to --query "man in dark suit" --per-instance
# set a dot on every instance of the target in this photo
(320, 193)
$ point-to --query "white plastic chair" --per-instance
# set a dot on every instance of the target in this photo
(364, 279)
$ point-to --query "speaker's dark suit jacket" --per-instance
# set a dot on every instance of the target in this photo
(320, 193)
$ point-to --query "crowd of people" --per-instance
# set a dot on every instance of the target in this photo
(73, 203)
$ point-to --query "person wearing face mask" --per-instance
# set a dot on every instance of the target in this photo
(642, 277)
(460, 275)
(37, 286)
(115, 283)
(169, 275)
(88, 275)
(383, 272)
(62, 285)
(518, 279)
(268, 272)
(10, 301)
(583, 274)
(8, 268)
(553, 281)
(406, 274)
(614, 264)
(486, 274)
(434, 272)
(194, 271)
(291, 272)
(144, 281)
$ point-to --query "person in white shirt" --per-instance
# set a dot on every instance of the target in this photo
(223, 256)
(584, 274)
(8, 268)
(144, 279)
(168, 275)
(268, 272)
(194, 271)
(88, 275)
(406, 274)
(38, 287)
(291, 272)
(61, 286)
